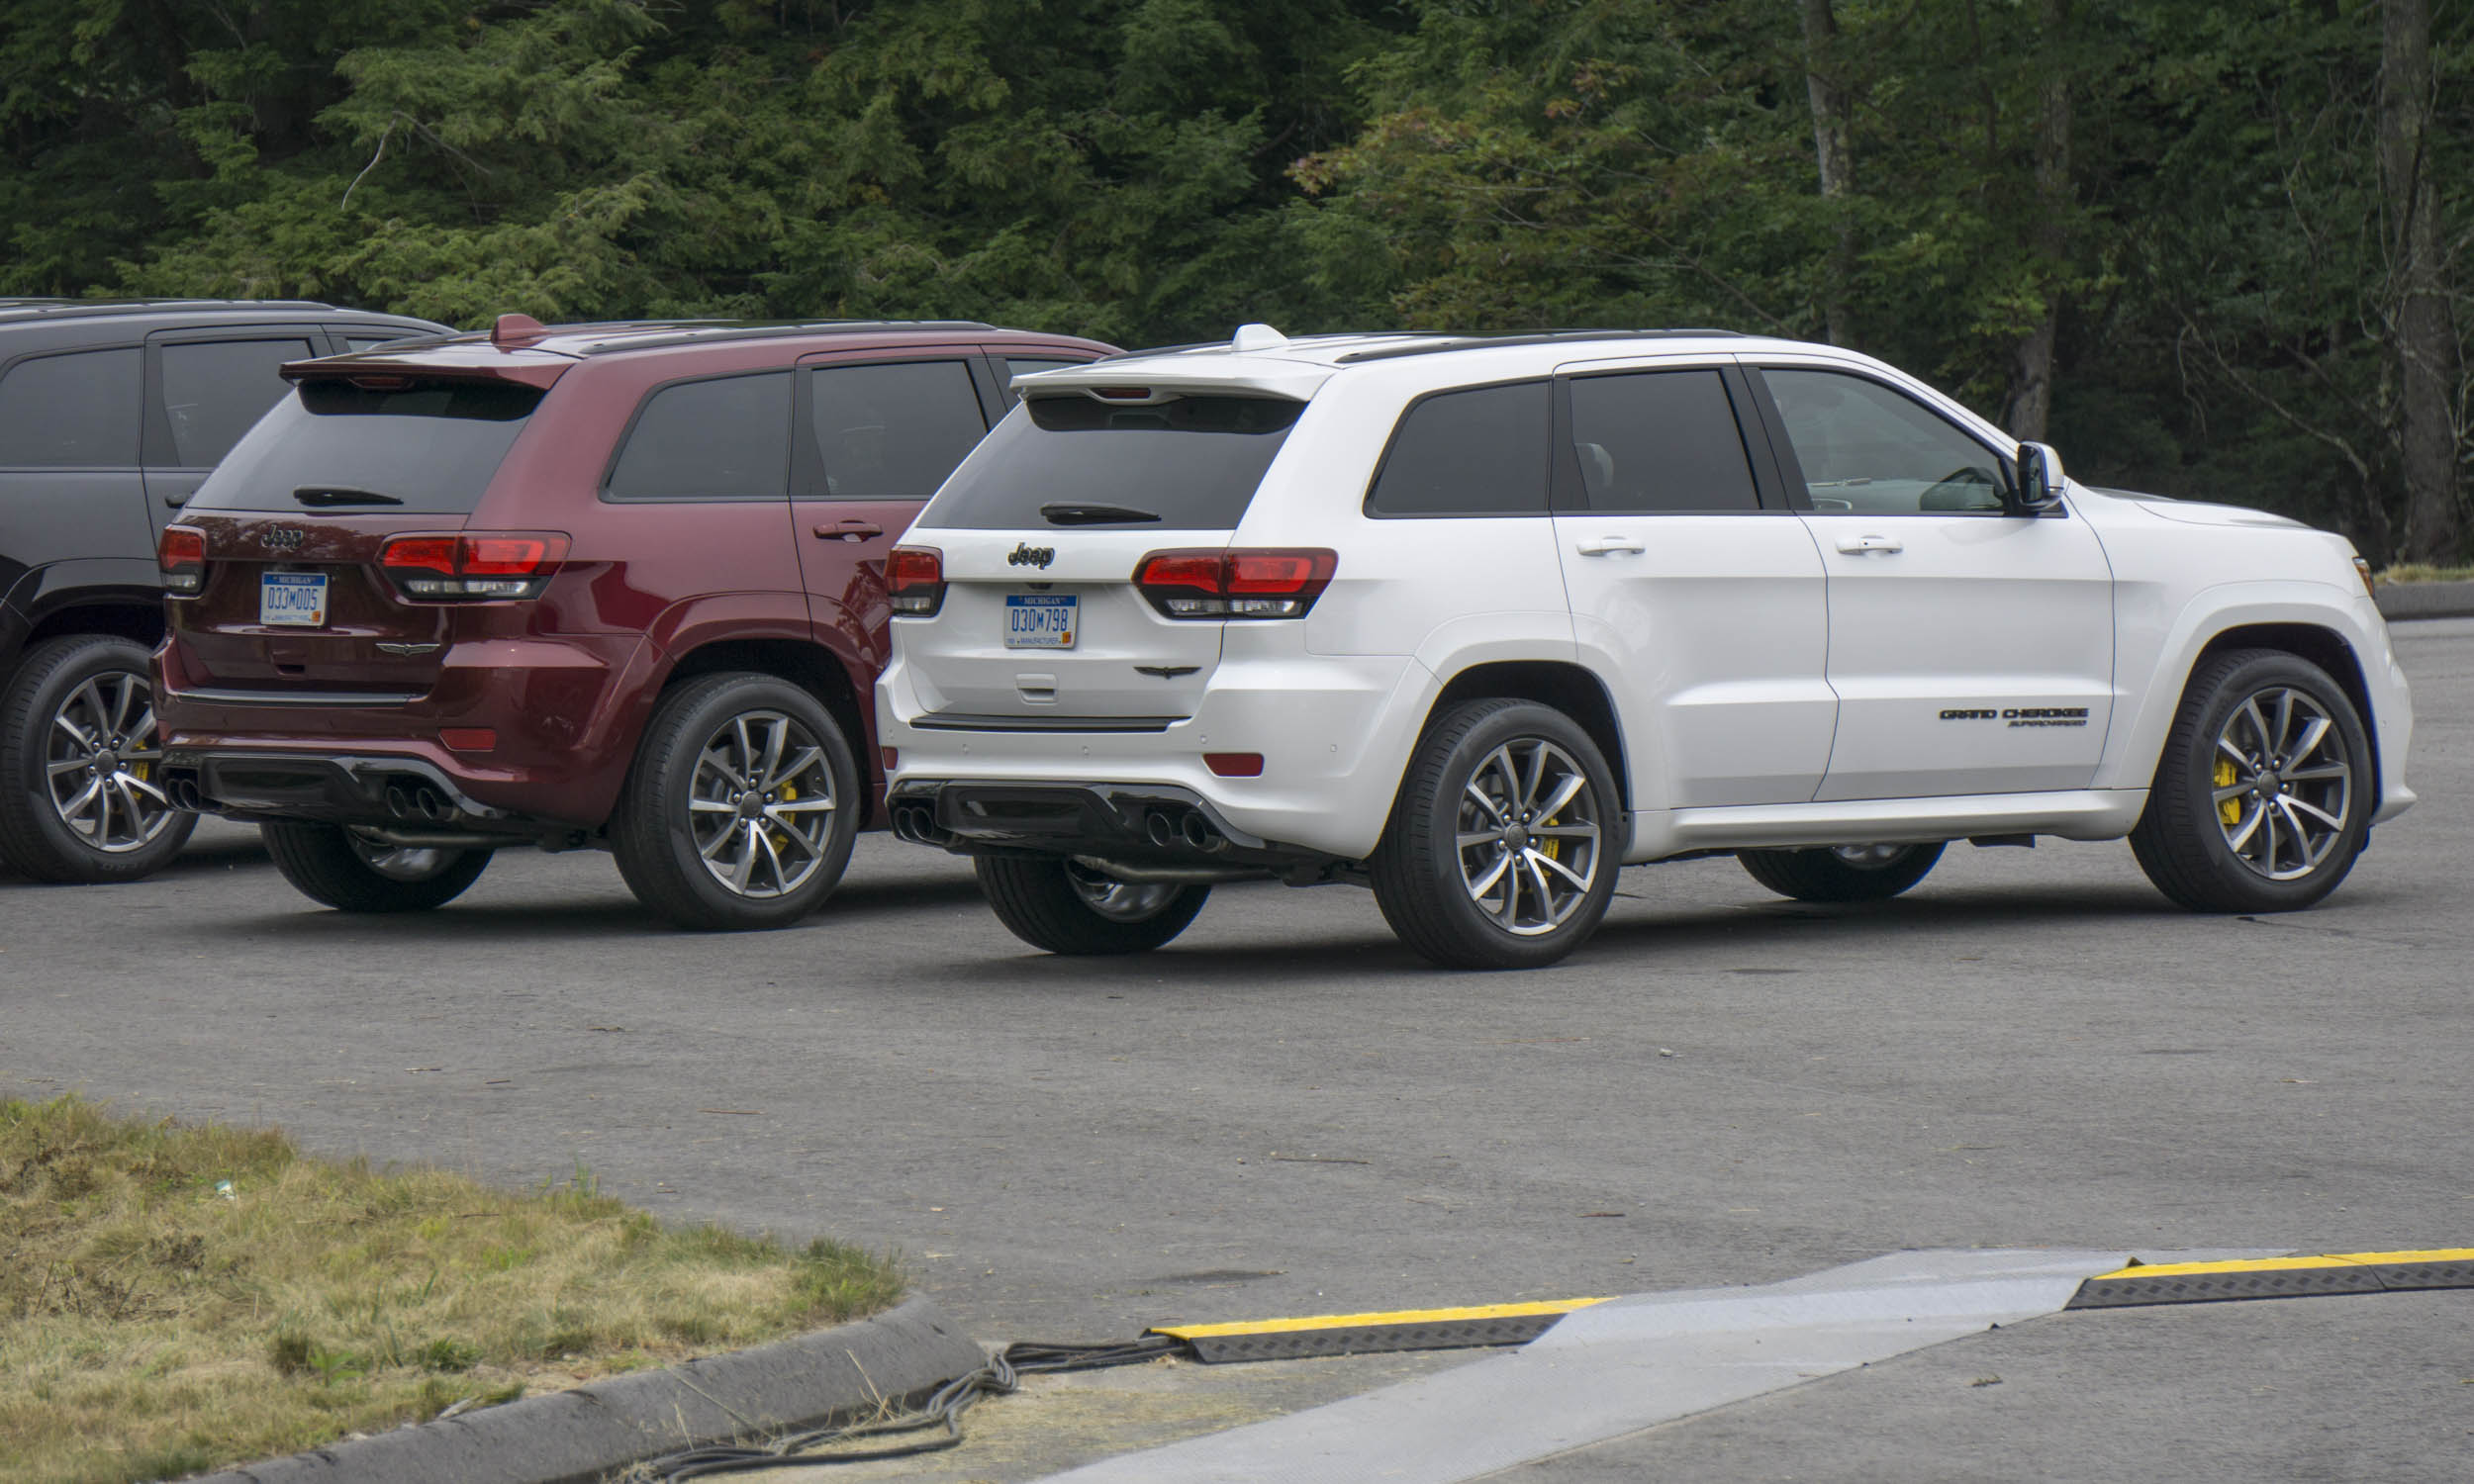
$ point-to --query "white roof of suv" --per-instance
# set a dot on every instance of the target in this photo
(1262, 362)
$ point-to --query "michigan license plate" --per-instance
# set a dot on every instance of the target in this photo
(1041, 620)
(294, 599)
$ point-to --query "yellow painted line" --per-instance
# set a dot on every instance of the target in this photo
(1363, 1321)
(2285, 1264)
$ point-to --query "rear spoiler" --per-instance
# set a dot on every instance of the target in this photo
(460, 359)
(1135, 381)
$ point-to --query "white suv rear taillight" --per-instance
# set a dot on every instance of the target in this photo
(1235, 581)
(915, 580)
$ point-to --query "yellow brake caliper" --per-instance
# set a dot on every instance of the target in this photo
(2231, 810)
(781, 837)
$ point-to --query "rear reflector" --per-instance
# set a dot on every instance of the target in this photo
(1234, 764)
(468, 738)
(472, 565)
(181, 553)
(1236, 583)
(892, 756)
(914, 578)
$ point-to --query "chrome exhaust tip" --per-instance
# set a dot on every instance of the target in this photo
(1197, 833)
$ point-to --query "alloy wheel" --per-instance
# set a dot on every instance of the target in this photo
(761, 805)
(2283, 783)
(1528, 836)
(100, 760)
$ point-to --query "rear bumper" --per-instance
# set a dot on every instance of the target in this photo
(1333, 731)
(563, 716)
(1156, 825)
(401, 794)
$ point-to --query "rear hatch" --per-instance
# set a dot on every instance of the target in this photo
(294, 519)
(1039, 537)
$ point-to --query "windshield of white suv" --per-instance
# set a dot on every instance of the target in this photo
(1191, 463)
(423, 449)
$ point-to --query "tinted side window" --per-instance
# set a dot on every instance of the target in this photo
(215, 390)
(78, 410)
(894, 432)
(1664, 440)
(721, 439)
(1478, 452)
(1867, 449)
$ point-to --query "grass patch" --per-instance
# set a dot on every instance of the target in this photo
(176, 1298)
(2423, 572)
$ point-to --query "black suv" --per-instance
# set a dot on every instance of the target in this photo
(112, 411)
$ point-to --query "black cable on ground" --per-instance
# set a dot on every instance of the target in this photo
(944, 1409)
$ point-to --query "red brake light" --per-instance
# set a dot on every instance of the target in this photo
(1198, 569)
(915, 576)
(504, 556)
(181, 553)
(1238, 583)
(418, 553)
(472, 565)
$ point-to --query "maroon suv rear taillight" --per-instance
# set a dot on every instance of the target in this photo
(915, 576)
(1236, 583)
(181, 553)
(472, 565)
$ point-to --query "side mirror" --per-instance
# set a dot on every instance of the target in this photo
(2040, 480)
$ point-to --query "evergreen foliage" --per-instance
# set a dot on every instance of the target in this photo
(2185, 200)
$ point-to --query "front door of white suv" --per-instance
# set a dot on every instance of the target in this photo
(1972, 649)
(1694, 587)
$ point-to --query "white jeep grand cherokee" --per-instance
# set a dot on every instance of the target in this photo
(1477, 620)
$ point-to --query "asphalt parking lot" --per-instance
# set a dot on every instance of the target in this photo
(1285, 1113)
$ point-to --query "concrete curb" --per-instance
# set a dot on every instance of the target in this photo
(574, 1436)
(2426, 600)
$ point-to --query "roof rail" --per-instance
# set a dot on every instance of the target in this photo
(694, 332)
(80, 309)
(1443, 342)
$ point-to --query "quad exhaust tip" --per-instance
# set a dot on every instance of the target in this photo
(419, 800)
(1189, 829)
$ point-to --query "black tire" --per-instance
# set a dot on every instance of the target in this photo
(795, 850)
(1064, 909)
(1849, 873)
(329, 865)
(1422, 875)
(2183, 841)
(127, 829)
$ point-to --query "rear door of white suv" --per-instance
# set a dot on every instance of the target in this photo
(1972, 649)
(1693, 580)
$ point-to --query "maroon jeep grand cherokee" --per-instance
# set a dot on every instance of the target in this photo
(608, 584)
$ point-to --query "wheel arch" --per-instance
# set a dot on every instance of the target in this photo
(1573, 690)
(2322, 646)
(811, 666)
(139, 624)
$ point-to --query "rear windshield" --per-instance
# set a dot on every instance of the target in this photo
(429, 449)
(1189, 464)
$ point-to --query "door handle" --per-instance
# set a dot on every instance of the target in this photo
(1857, 544)
(850, 530)
(1604, 545)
